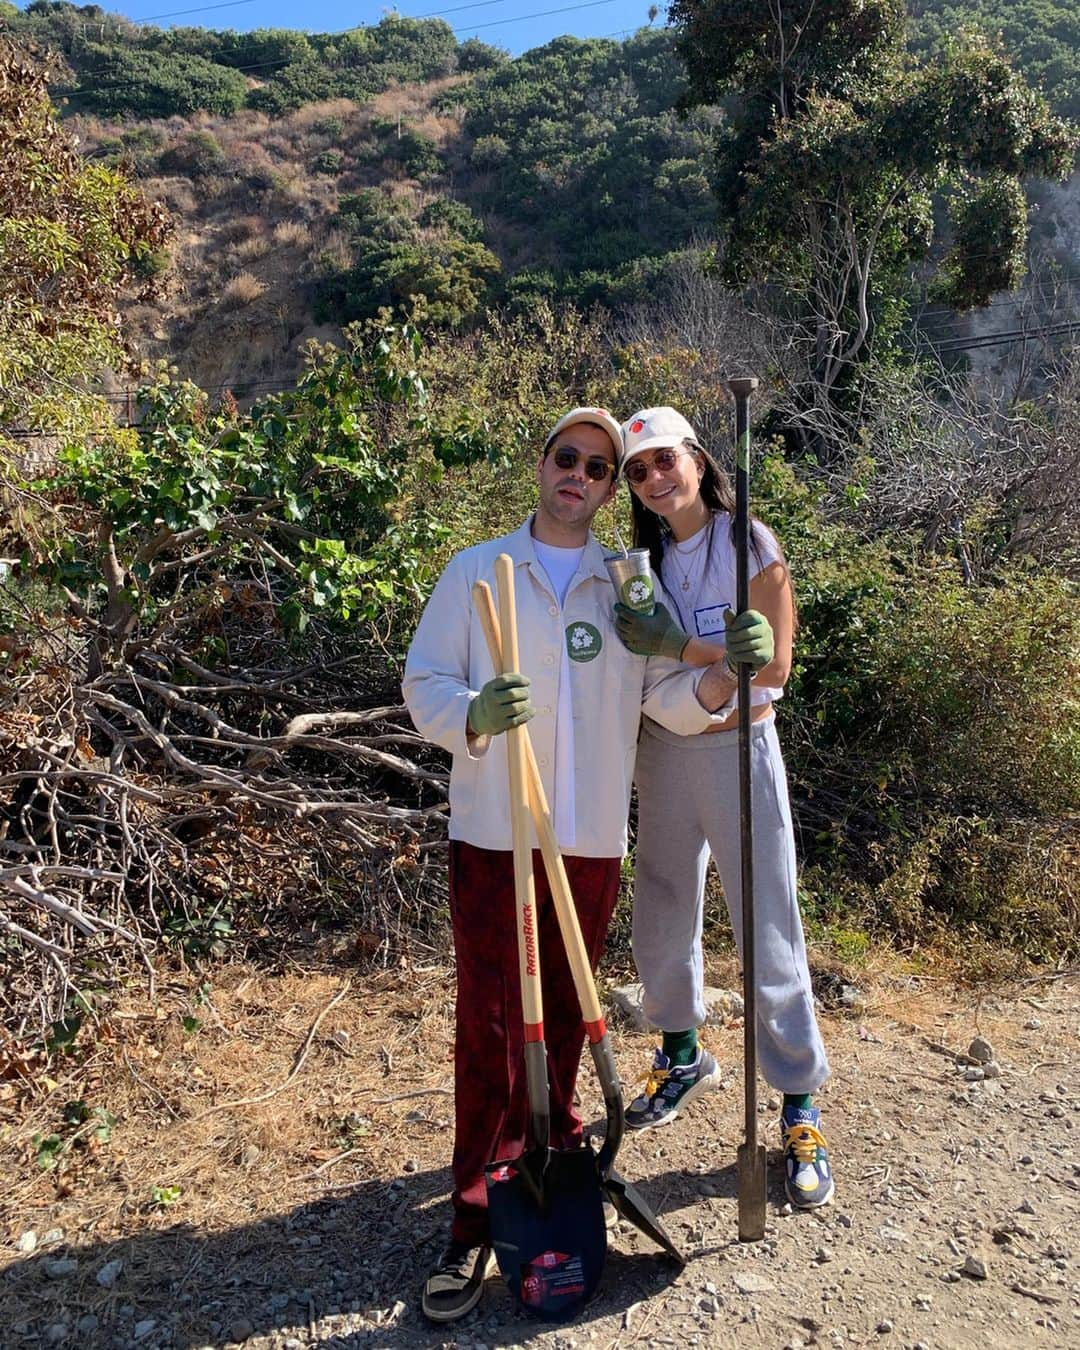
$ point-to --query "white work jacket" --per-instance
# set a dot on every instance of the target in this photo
(448, 665)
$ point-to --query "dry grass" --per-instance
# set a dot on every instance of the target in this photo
(412, 100)
(168, 1069)
(243, 289)
(292, 234)
(251, 160)
(240, 227)
(336, 250)
(248, 250)
(280, 147)
(175, 193)
(303, 119)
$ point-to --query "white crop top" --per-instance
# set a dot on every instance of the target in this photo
(698, 575)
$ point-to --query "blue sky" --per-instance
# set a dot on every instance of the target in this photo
(513, 24)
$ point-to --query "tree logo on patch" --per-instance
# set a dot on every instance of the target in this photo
(583, 642)
(637, 592)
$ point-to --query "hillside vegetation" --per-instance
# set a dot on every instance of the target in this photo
(317, 177)
(204, 606)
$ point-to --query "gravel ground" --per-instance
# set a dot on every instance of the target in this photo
(954, 1224)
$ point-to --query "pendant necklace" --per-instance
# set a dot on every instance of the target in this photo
(691, 554)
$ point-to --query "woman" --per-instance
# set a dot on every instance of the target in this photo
(688, 795)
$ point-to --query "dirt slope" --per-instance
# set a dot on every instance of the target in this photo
(309, 1217)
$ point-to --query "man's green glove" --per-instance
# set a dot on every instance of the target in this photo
(749, 638)
(501, 704)
(655, 634)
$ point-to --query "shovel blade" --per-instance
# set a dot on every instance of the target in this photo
(633, 1207)
(550, 1250)
(752, 1191)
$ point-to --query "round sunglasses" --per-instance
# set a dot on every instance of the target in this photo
(596, 467)
(638, 469)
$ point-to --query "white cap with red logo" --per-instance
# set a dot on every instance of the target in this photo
(598, 417)
(652, 428)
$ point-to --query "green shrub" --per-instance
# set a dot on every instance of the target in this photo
(454, 217)
(474, 55)
(450, 275)
(330, 127)
(328, 162)
(140, 83)
(150, 264)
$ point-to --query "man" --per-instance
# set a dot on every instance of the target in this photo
(584, 695)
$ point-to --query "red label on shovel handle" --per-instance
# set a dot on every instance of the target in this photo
(529, 926)
(534, 1031)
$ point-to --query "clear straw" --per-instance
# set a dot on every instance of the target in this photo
(619, 539)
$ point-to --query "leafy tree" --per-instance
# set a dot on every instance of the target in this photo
(836, 146)
(70, 232)
(1042, 36)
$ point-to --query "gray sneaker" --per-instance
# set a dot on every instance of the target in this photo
(456, 1284)
(671, 1087)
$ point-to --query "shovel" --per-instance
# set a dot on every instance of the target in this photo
(627, 1200)
(751, 1154)
(545, 1206)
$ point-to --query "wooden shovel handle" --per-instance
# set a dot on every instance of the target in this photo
(565, 910)
(532, 1003)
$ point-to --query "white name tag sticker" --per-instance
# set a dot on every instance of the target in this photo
(710, 620)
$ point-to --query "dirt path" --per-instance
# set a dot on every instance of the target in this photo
(310, 1217)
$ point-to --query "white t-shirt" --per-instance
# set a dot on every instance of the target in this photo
(699, 578)
(561, 564)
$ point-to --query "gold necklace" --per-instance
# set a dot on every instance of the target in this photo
(706, 535)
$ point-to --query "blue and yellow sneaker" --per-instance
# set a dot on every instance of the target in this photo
(669, 1087)
(808, 1178)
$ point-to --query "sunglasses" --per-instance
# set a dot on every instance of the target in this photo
(664, 460)
(596, 467)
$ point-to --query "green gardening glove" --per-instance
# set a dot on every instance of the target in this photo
(655, 634)
(501, 704)
(749, 638)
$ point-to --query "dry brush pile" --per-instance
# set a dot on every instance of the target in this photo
(200, 718)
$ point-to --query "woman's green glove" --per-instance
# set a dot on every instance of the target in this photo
(655, 634)
(749, 638)
(501, 704)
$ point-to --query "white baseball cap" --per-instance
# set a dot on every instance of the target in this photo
(598, 417)
(652, 428)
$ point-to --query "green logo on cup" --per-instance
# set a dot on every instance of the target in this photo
(583, 642)
(637, 592)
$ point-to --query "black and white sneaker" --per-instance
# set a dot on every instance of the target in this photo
(455, 1286)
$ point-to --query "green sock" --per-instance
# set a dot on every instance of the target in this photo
(802, 1100)
(680, 1046)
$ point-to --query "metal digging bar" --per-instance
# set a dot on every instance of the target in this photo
(751, 1154)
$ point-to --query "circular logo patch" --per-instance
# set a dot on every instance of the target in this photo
(637, 592)
(583, 642)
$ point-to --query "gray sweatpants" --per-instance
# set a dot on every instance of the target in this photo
(688, 804)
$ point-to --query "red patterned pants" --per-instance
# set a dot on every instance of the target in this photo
(490, 1101)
